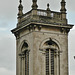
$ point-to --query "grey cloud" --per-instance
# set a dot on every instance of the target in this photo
(71, 5)
(8, 11)
(4, 71)
(3, 23)
(8, 15)
(7, 52)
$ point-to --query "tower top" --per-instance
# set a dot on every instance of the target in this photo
(41, 16)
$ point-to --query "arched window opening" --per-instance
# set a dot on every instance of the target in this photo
(24, 63)
(51, 57)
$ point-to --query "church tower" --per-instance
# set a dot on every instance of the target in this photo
(42, 41)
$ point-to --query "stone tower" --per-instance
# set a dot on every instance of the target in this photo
(42, 41)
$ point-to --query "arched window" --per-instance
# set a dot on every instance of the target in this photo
(52, 57)
(51, 60)
(24, 59)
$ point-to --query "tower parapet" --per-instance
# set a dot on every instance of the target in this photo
(41, 16)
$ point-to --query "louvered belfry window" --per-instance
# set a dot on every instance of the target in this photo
(49, 62)
(26, 62)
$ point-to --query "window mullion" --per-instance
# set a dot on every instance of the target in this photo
(49, 62)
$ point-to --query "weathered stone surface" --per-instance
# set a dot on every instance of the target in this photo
(38, 31)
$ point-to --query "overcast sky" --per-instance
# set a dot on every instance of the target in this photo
(8, 21)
